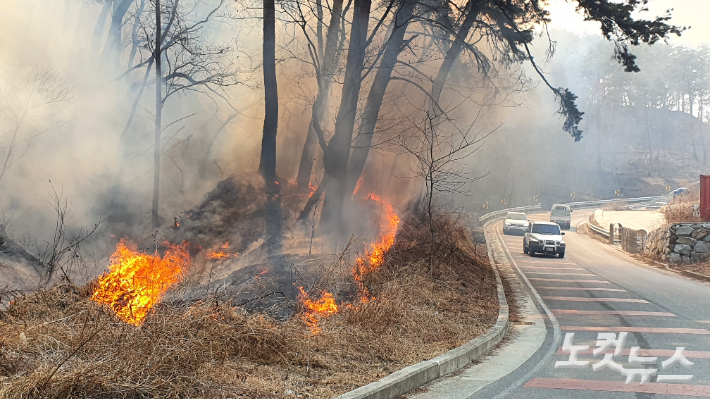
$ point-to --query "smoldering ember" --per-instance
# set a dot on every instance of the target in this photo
(235, 199)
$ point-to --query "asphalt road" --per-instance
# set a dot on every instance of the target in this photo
(598, 289)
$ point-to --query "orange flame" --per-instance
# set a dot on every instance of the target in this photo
(388, 230)
(389, 221)
(137, 281)
(314, 311)
(220, 254)
(216, 255)
(358, 185)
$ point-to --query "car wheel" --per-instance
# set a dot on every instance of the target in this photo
(525, 248)
(561, 254)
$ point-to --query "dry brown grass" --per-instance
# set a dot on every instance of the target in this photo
(57, 343)
(680, 210)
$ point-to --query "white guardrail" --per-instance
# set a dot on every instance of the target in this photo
(573, 205)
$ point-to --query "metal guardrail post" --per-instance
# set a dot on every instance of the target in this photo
(611, 233)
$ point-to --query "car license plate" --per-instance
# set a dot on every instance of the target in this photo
(550, 249)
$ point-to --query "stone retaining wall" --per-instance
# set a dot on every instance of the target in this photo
(679, 243)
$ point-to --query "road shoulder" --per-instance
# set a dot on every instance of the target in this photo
(524, 339)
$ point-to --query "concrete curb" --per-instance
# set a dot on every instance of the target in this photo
(694, 275)
(416, 375)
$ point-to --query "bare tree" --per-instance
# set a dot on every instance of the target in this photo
(338, 148)
(267, 163)
(440, 152)
(184, 62)
(324, 62)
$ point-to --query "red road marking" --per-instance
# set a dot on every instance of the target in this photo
(612, 312)
(581, 289)
(571, 281)
(698, 331)
(702, 391)
(564, 274)
(649, 352)
(547, 263)
(578, 299)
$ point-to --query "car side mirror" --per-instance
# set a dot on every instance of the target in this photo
(563, 233)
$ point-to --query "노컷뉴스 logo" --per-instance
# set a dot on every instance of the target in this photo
(605, 341)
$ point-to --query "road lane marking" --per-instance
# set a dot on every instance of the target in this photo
(660, 330)
(570, 281)
(648, 352)
(546, 263)
(702, 391)
(564, 274)
(552, 268)
(582, 289)
(556, 332)
(581, 299)
(612, 312)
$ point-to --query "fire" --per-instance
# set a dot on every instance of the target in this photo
(315, 310)
(137, 281)
(373, 259)
(358, 185)
(220, 254)
(216, 255)
(388, 230)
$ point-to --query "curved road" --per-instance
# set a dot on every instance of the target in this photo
(595, 289)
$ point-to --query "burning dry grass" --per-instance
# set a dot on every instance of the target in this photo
(58, 343)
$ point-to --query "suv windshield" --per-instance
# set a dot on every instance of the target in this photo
(546, 229)
(516, 216)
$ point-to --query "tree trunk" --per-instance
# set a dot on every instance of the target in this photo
(454, 51)
(330, 59)
(267, 163)
(338, 150)
(363, 141)
(134, 34)
(158, 117)
(99, 27)
(112, 48)
(305, 167)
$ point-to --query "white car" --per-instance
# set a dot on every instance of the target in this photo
(545, 238)
(562, 215)
(515, 222)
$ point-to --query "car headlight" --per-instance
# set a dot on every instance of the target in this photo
(507, 223)
(562, 244)
(534, 240)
